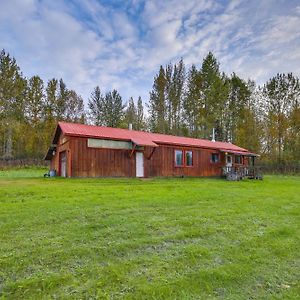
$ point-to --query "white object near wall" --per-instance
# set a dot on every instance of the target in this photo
(139, 164)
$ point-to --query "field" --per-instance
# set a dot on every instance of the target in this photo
(148, 239)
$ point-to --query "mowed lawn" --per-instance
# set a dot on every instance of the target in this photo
(148, 239)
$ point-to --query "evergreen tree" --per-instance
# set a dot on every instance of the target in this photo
(113, 109)
(157, 103)
(192, 103)
(140, 121)
(61, 102)
(214, 93)
(131, 114)
(175, 79)
(96, 106)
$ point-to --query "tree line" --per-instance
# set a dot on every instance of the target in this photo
(183, 101)
(264, 119)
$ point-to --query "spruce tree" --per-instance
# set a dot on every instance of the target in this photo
(157, 104)
(140, 121)
(113, 110)
(96, 106)
(193, 104)
(131, 114)
(214, 94)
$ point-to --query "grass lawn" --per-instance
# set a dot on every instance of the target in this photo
(148, 239)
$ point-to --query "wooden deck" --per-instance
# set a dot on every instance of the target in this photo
(240, 172)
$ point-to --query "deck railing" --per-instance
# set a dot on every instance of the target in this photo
(240, 172)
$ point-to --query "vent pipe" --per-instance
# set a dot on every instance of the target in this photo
(130, 126)
(213, 136)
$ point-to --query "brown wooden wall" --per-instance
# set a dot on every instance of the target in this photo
(83, 161)
(162, 163)
(96, 162)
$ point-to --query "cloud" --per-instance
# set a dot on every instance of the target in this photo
(121, 46)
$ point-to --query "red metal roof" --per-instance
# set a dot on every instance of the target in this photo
(142, 137)
(143, 142)
(239, 152)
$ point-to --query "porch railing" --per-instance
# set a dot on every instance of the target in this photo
(240, 172)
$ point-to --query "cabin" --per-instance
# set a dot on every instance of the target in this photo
(79, 150)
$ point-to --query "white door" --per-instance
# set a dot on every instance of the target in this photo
(139, 164)
(63, 164)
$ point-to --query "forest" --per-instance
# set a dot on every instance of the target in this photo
(186, 101)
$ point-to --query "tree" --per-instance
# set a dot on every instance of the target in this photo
(175, 79)
(281, 97)
(131, 114)
(236, 107)
(35, 102)
(140, 121)
(157, 103)
(134, 114)
(214, 94)
(192, 103)
(61, 102)
(51, 100)
(74, 111)
(96, 106)
(12, 95)
(113, 109)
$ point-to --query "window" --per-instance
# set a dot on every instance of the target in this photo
(189, 158)
(183, 158)
(179, 158)
(238, 159)
(215, 157)
(229, 159)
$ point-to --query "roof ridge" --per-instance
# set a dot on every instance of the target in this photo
(89, 130)
(147, 132)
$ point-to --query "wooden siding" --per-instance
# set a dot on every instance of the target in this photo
(84, 161)
(162, 163)
(98, 162)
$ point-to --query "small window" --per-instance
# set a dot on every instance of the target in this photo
(238, 159)
(178, 158)
(215, 157)
(189, 158)
(229, 159)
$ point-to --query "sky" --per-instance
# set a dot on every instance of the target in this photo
(121, 44)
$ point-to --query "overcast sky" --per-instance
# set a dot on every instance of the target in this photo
(121, 44)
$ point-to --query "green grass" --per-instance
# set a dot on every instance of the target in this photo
(149, 239)
(23, 172)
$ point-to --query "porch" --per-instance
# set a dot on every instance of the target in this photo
(243, 167)
(236, 173)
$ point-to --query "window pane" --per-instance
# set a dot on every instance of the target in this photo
(178, 158)
(189, 158)
(238, 159)
(215, 157)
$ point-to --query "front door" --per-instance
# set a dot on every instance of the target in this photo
(63, 164)
(228, 161)
(139, 164)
